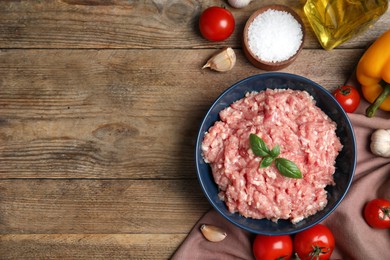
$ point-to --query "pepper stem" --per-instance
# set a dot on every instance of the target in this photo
(370, 112)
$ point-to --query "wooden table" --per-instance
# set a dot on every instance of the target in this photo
(100, 103)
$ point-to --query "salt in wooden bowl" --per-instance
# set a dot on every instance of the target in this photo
(280, 35)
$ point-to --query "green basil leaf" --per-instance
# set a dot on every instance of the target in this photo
(288, 168)
(275, 151)
(258, 146)
(266, 161)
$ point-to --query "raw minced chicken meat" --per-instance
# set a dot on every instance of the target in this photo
(306, 136)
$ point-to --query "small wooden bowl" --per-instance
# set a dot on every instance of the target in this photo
(267, 65)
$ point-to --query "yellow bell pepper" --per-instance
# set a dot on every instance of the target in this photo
(373, 73)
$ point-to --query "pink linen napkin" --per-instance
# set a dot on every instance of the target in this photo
(354, 238)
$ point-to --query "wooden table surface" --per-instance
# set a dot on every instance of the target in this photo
(100, 103)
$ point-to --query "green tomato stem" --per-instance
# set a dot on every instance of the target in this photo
(370, 112)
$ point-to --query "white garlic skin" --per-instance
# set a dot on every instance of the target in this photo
(380, 142)
(213, 233)
(239, 3)
(222, 61)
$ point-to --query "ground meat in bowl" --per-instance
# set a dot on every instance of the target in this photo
(306, 136)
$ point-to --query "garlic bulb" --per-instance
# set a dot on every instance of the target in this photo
(213, 233)
(239, 3)
(222, 61)
(380, 142)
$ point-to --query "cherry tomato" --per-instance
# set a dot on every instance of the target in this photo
(348, 97)
(216, 23)
(272, 247)
(316, 242)
(377, 213)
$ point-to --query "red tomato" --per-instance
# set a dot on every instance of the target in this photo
(348, 97)
(272, 247)
(216, 23)
(377, 213)
(316, 242)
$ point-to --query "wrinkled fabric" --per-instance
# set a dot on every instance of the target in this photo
(354, 238)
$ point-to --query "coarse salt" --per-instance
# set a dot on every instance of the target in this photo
(274, 36)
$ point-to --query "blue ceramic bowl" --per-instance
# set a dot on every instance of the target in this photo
(345, 162)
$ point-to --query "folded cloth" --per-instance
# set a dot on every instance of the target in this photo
(354, 238)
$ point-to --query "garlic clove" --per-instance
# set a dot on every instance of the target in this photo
(380, 142)
(213, 233)
(239, 3)
(222, 61)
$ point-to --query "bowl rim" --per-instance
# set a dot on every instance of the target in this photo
(257, 61)
(198, 156)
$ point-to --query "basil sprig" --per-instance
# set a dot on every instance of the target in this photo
(286, 167)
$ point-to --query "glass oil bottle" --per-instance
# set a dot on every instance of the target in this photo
(336, 21)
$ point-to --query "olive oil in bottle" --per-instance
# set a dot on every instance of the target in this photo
(336, 21)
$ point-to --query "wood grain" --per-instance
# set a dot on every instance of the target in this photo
(122, 24)
(100, 103)
(100, 206)
(84, 246)
(120, 113)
